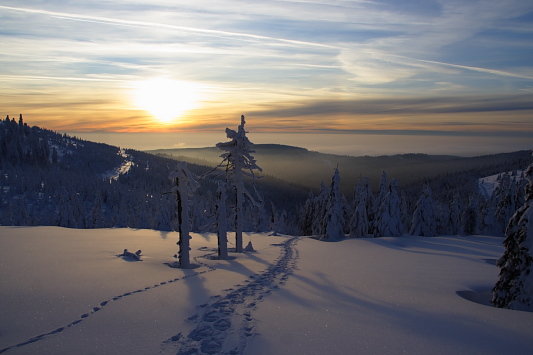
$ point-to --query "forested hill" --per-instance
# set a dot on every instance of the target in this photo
(309, 168)
(53, 179)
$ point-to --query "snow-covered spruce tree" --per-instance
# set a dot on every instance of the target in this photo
(261, 222)
(320, 206)
(514, 288)
(184, 189)
(238, 162)
(382, 191)
(307, 215)
(521, 183)
(388, 221)
(454, 221)
(378, 201)
(443, 219)
(424, 222)
(65, 213)
(97, 218)
(504, 201)
(333, 222)
(359, 223)
(469, 218)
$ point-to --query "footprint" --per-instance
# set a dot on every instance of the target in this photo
(204, 331)
(211, 346)
(222, 324)
(211, 316)
(57, 330)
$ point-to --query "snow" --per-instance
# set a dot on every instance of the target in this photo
(488, 184)
(121, 169)
(66, 291)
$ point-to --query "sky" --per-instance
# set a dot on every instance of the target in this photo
(434, 68)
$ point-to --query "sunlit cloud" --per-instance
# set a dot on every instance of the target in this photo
(288, 65)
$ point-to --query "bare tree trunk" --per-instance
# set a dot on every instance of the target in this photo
(238, 220)
(183, 243)
(221, 224)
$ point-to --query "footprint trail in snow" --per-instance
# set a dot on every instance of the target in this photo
(225, 323)
(104, 303)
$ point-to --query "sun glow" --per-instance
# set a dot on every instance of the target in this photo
(166, 99)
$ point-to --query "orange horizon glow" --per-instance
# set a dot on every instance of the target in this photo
(158, 66)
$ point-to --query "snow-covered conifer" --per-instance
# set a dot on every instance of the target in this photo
(382, 192)
(359, 223)
(505, 201)
(184, 189)
(320, 206)
(424, 222)
(469, 218)
(238, 162)
(307, 215)
(282, 223)
(163, 217)
(514, 288)
(65, 213)
(261, 221)
(454, 221)
(442, 215)
(388, 220)
(97, 219)
(334, 218)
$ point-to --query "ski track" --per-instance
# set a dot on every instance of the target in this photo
(225, 323)
(215, 321)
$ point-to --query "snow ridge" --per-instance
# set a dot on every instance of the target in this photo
(107, 302)
(225, 323)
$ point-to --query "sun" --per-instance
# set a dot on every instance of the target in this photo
(166, 99)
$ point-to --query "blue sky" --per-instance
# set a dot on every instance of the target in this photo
(413, 67)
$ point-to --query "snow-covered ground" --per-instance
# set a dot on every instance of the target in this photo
(64, 291)
(488, 184)
(121, 169)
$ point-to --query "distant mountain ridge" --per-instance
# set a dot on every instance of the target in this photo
(308, 168)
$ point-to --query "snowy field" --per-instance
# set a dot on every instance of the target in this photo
(64, 291)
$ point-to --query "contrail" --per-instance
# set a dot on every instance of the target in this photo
(477, 69)
(201, 31)
(42, 77)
